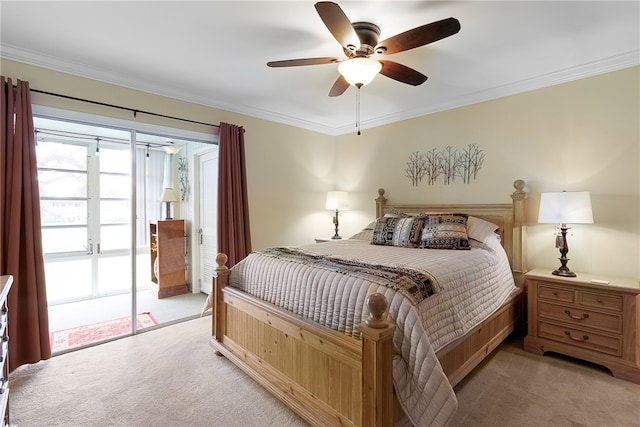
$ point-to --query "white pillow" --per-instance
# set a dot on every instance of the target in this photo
(366, 233)
(481, 230)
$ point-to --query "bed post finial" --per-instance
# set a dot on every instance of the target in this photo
(221, 260)
(380, 201)
(519, 184)
(377, 304)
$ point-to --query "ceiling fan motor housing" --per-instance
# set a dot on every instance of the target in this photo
(368, 34)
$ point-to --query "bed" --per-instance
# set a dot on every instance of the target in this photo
(339, 333)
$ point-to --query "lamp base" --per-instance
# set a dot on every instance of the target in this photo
(335, 222)
(563, 270)
(564, 273)
(168, 211)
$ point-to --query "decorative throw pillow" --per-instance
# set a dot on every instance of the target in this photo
(394, 231)
(445, 231)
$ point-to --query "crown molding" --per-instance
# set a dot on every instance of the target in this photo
(79, 69)
(613, 63)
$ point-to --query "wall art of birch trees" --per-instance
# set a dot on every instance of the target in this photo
(448, 163)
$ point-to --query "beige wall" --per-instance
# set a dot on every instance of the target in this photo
(578, 136)
(289, 169)
(582, 135)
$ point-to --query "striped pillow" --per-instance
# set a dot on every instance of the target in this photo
(394, 231)
(445, 231)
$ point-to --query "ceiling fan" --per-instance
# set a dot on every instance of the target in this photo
(359, 41)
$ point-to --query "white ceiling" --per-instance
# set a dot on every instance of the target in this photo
(215, 52)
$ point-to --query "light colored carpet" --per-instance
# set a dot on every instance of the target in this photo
(170, 377)
(515, 388)
(165, 377)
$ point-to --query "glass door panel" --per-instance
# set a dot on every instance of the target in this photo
(85, 191)
(165, 246)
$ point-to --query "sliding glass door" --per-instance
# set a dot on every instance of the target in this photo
(101, 192)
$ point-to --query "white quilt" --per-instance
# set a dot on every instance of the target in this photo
(470, 286)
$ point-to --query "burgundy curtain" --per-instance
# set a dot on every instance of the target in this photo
(234, 238)
(20, 232)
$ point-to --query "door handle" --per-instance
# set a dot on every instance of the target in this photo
(200, 235)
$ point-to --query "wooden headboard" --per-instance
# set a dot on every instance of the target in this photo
(509, 217)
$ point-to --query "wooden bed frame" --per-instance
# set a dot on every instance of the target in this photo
(329, 378)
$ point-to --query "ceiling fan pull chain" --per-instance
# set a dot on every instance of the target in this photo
(358, 109)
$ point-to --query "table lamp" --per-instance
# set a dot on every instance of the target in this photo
(337, 200)
(566, 207)
(168, 196)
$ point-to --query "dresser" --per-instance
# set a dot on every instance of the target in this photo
(168, 258)
(5, 286)
(590, 317)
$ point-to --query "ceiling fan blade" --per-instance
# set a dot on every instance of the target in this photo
(419, 36)
(402, 73)
(300, 62)
(338, 24)
(339, 87)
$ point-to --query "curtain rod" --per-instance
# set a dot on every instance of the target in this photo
(133, 110)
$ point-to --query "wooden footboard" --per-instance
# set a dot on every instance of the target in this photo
(323, 375)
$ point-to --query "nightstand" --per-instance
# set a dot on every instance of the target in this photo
(585, 318)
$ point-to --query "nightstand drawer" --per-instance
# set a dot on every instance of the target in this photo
(555, 293)
(580, 338)
(593, 299)
(579, 317)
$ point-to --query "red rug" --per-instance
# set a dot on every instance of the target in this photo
(87, 334)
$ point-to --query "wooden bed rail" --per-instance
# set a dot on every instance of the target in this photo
(371, 363)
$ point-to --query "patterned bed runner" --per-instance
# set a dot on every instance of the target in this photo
(415, 285)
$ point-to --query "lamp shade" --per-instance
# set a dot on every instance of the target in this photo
(566, 207)
(169, 195)
(337, 200)
(359, 71)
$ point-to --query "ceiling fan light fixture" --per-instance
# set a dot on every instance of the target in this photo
(359, 71)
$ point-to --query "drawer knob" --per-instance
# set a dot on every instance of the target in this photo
(555, 293)
(583, 339)
(574, 317)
